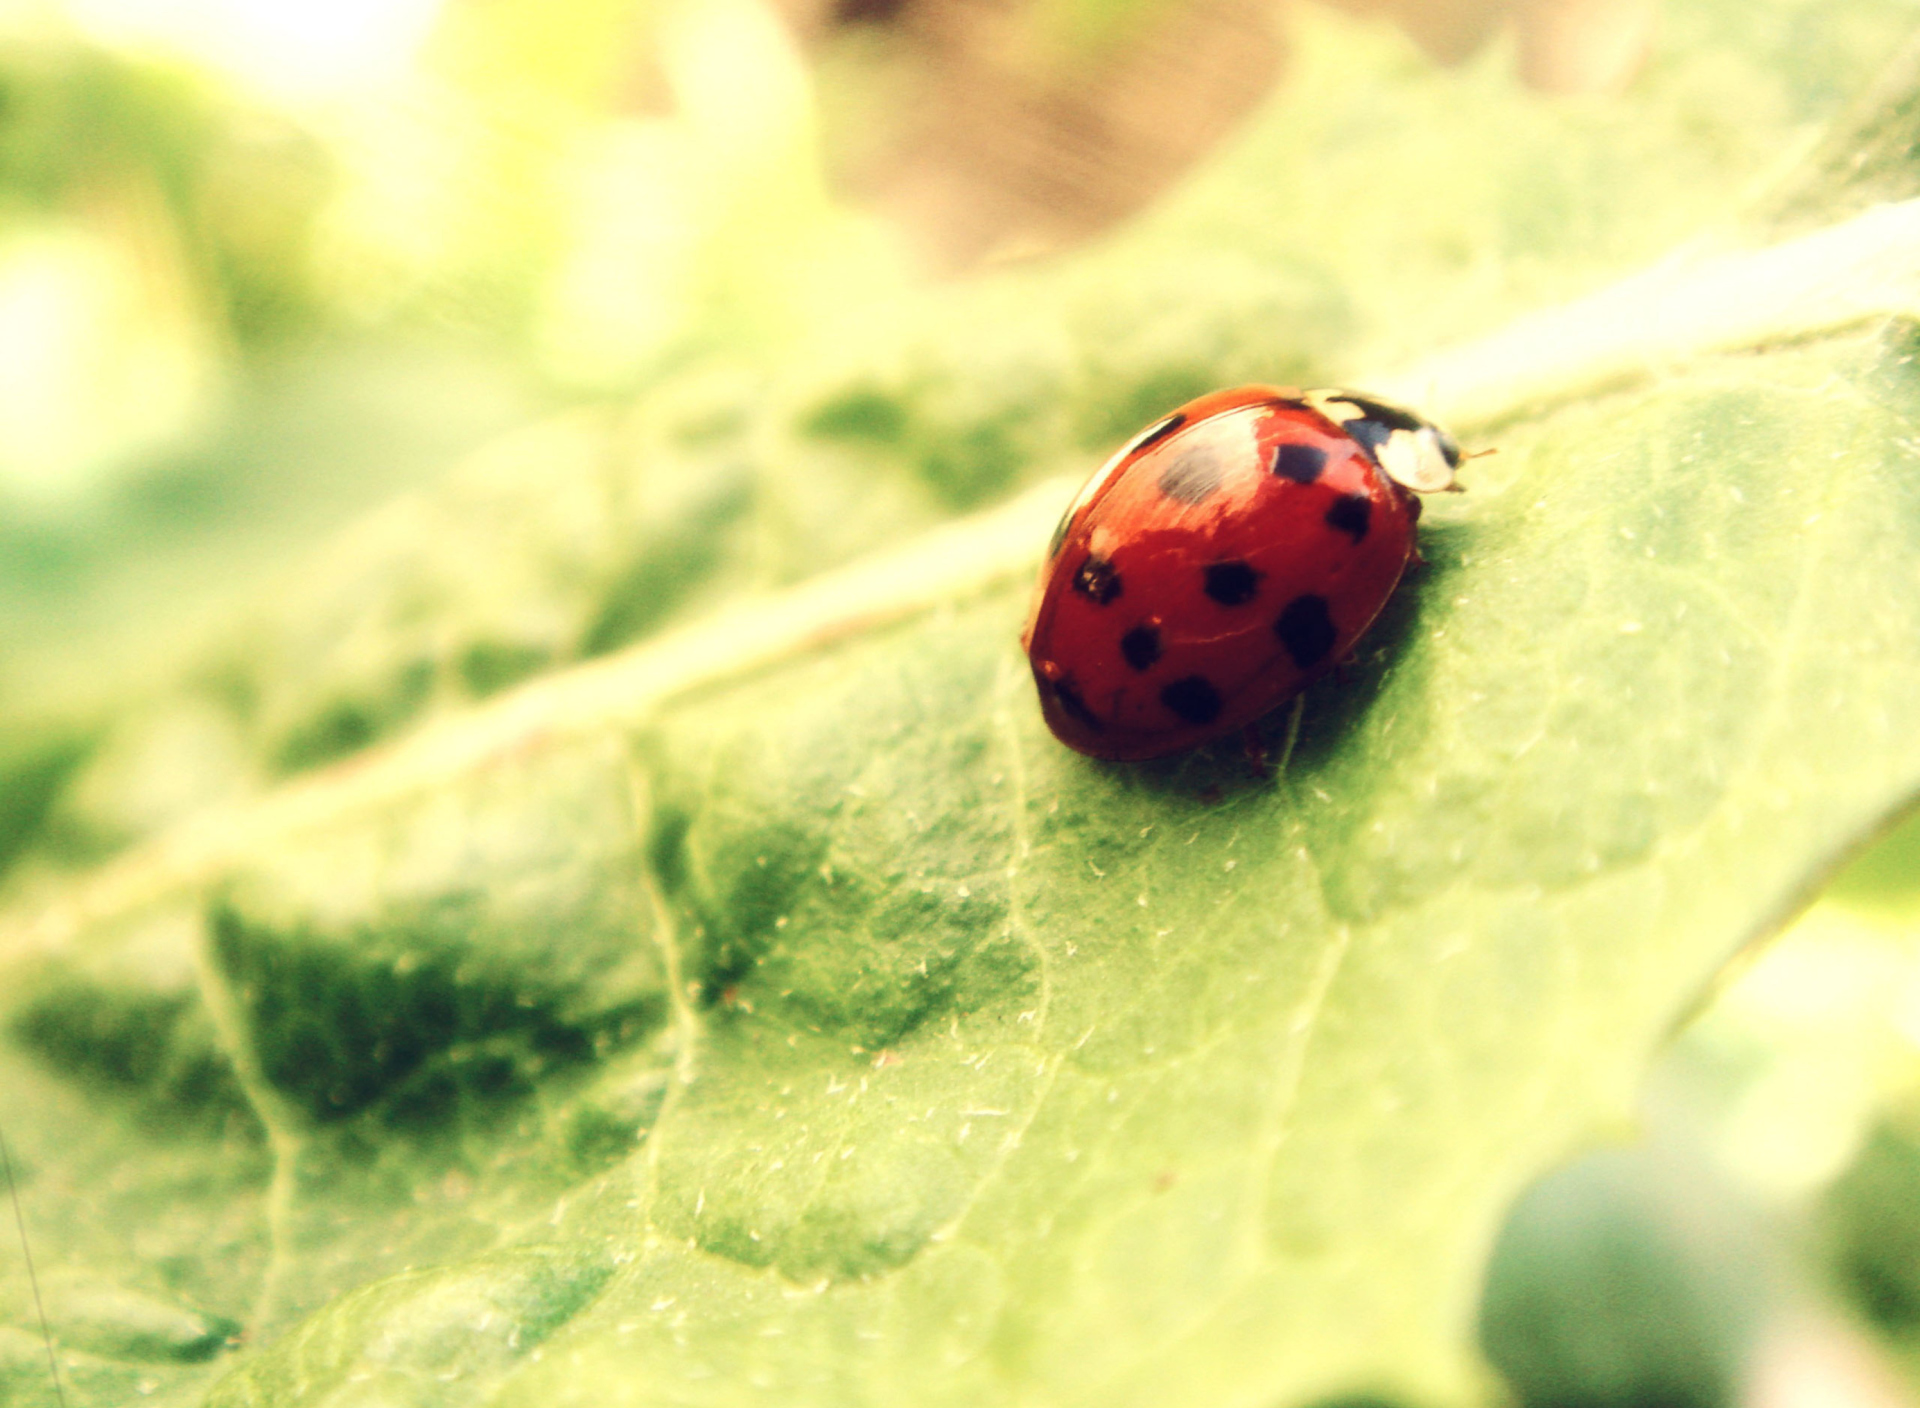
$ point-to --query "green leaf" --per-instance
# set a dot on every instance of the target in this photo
(962, 1067)
(771, 1010)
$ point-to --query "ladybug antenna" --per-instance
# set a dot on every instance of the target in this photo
(1456, 487)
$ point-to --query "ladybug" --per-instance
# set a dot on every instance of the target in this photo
(1225, 558)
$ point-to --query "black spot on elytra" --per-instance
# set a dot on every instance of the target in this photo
(1194, 699)
(1158, 432)
(1350, 514)
(1194, 473)
(1231, 583)
(1097, 581)
(1300, 463)
(1071, 700)
(1141, 646)
(1306, 630)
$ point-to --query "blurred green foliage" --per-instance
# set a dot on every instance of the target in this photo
(239, 186)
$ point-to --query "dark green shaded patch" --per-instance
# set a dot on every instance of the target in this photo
(968, 465)
(669, 564)
(335, 1034)
(483, 934)
(31, 776)
(1870, 1232)
(487, 666)
(155, 1045)
(345, 726)
(859, 414)
(131, 1325)
(598, 1138)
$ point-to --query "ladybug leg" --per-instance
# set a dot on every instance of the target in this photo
(1259, 759)
(1255, 745)
(1293, 731)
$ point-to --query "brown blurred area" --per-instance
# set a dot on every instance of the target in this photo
(993, 130)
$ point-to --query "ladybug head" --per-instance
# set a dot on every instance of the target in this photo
(1411, 450)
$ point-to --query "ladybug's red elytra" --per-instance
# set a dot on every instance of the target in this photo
(1225, 558)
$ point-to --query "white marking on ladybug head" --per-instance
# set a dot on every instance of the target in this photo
(1418, 459)
(1409, 449)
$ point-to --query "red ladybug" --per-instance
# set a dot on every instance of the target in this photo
(1224, 559)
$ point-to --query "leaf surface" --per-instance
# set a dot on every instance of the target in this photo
(772, 1011)
(877, 1048)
